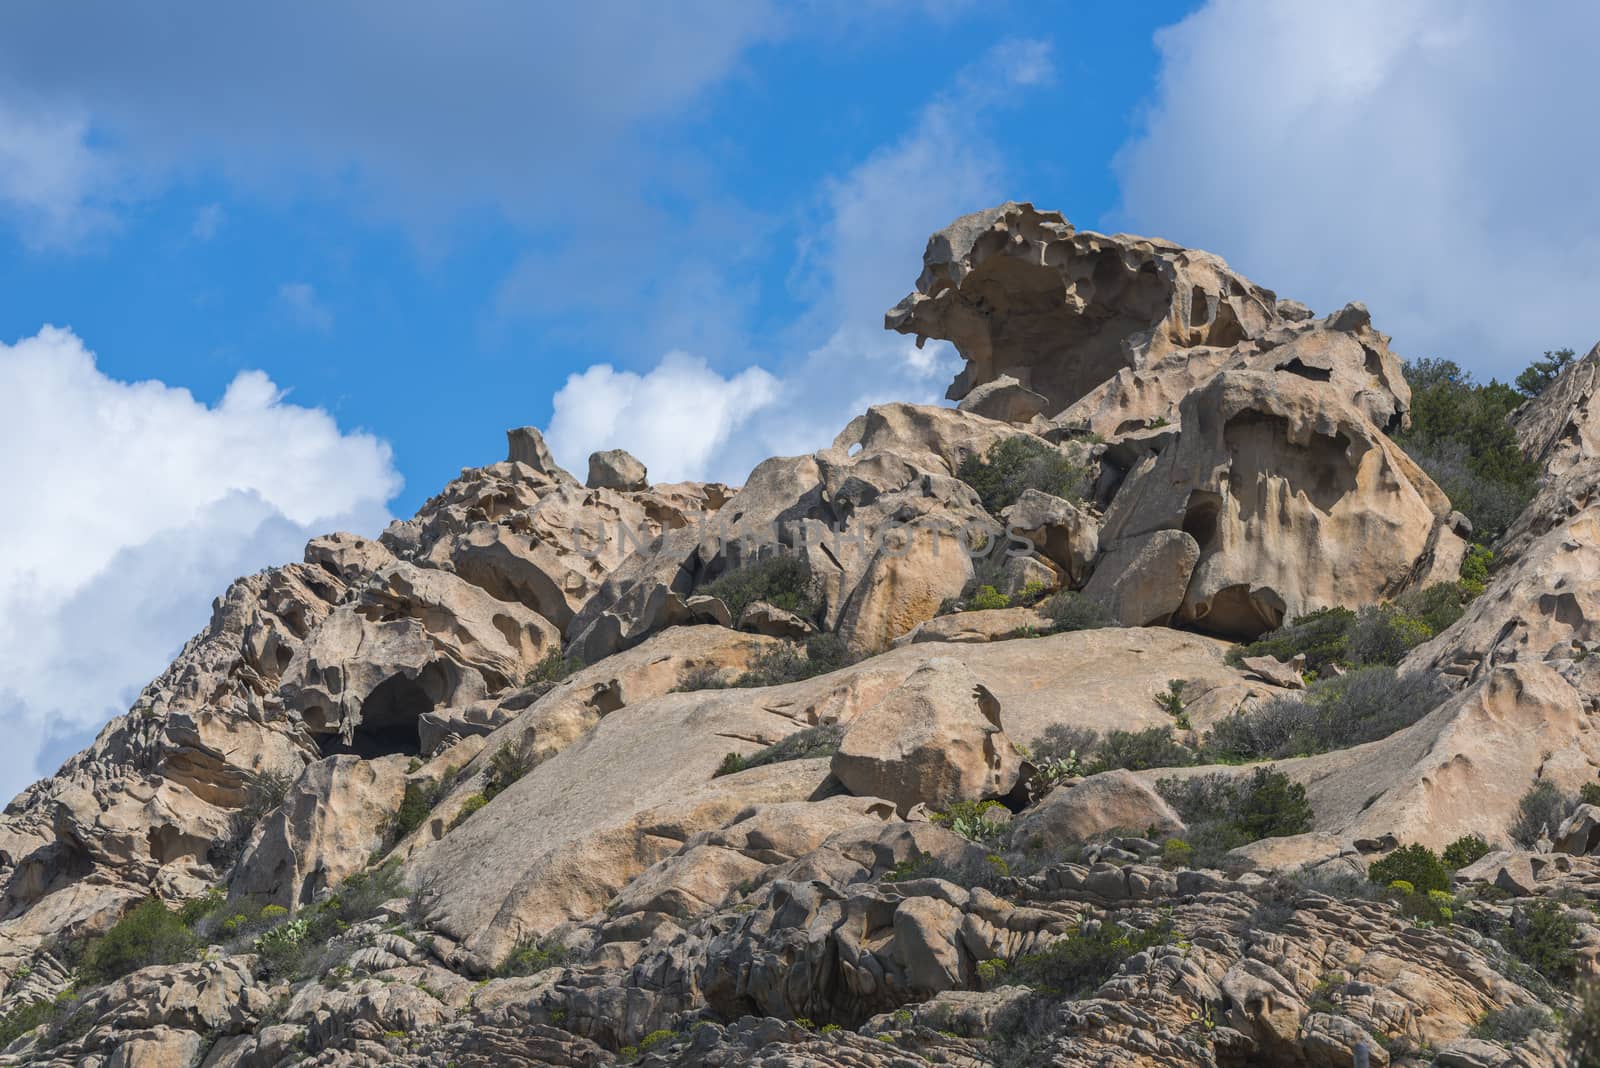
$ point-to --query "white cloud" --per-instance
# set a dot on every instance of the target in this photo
(131, 506)
(1431, 158)
(304, 308)
(49, 176)
(676, 418)
(877, 219)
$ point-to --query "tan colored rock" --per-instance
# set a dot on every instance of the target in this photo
(1005, 399)
(527, 447)
(1058, 530)
(159, 1047)
(616, 469)
(1289, 675)
(759, 617)
(912, 574)
(1579, 833)
(416, 638)
(1113, 801)
(1296, 501)
(991, 625)
(349, 556)
(327, 829)
(934, 740)
(1142, 581)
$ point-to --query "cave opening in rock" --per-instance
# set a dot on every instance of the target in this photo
(388, 724)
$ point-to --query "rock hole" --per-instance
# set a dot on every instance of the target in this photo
(388, 723)
(1297, 366)
(1200, 518)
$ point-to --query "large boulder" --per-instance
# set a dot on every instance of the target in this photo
(616, 469)
(1101, 804)
(934, 740)
(1142, 581)
(327, 829)
(1294, 498)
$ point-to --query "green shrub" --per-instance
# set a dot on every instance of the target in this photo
(1384, 634)
(1513, 1025)
(777, 665)
(1538, 375)
(1361, 706)
(1461, 436)
(552, 668)
(1589, 793)
(469, 807)
(506, 766)
(1323, 636)
(1062, 752)
(1466, 850)
(1415, 864)
(969, 819)
(24, 1018)
(1583, 1029)
(1171, 701)
(1541, 809)
(1176, 853)
(1475, 564)
(1154, 747)
(531, 956)
(282, 950)
(263, 794)
(1070, 610)
(1017, 464)
(415, 805)
(1079, 964)
(818, 741)
(988, 598)
(150, 934)
(1226, 811)
(1541, 936)
(783, 581)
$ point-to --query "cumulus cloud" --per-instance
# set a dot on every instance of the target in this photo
(836, 359)
(677, 416)
(1430, 158)
(130, 505)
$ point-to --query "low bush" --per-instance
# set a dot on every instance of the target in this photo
(1172, 702)
(506, 766)
(150, 934)
(1226, 811)
(531, 956)
(1060, 753)
(1583, 1029)
(783, 581)
(264, 793)
(1079, 964)
(818, 741)
(970, 820)
(552, 668)
(1017, 464)
(1513, 1025)
(1323, 636)
(788, 662)
(281, 950)
(1475, 565)
(24, 1018)
(1540, 811)
(417, 803)
(1362, 706)
(1466, 850)
(1414, 864)
(1070, 610)
(987, 598)
(1154, 747)
(469, 808)
(1541, 935)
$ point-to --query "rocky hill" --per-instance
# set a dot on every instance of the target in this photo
(1151, 706)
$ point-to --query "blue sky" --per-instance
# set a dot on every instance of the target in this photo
(344, 248)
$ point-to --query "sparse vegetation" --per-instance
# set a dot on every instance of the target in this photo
(1466, 850)
(970, 819)
(1226, 811)
(470, 807)
(531, 956)
(265, 791)
(1153, 747)
(1017, 464)
(552, 668)
(1540, 811)
(1060, 753)
(1583, 1029)
(1380, 634)
(1173, 703)
(783, 581)
(1541, 935)
(1336, 713)
(1077, 965)
(506, 766)
(1070, 610)
(150, 934)
(1461, 436)
(1416, 865)
(1513, 1025)
(986, 599)
(417, 803)
(819, 741)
